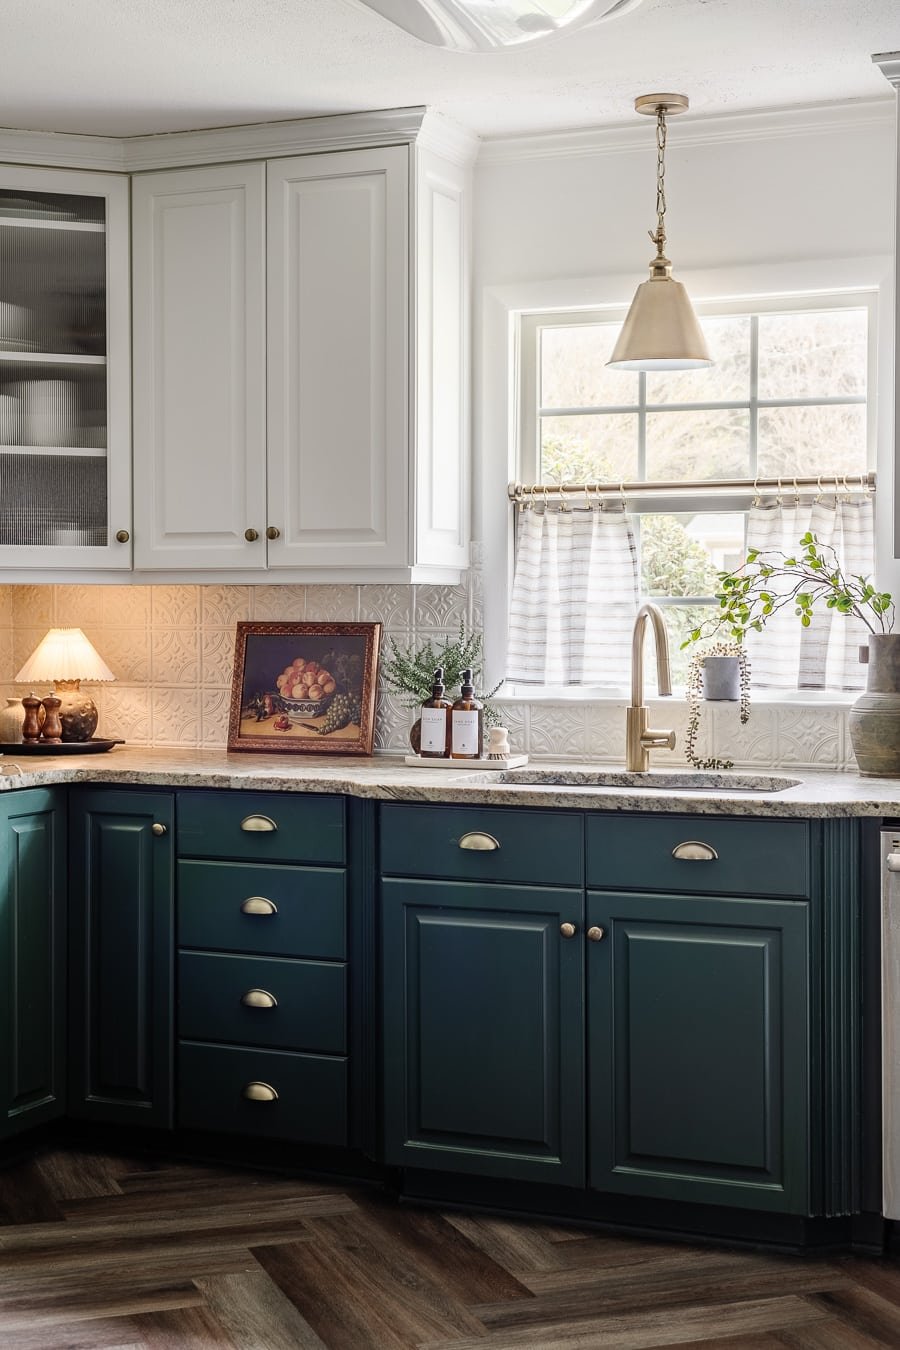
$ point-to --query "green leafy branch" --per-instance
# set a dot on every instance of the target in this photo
(751, 595)
(409, 671)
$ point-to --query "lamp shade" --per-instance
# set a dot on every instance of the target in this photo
(64, 654)
(661, 331)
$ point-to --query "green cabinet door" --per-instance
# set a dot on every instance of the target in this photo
(698, 1049)
(32, 958)
(483, 1029)
(121, 956)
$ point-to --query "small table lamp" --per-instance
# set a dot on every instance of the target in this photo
(66, 657)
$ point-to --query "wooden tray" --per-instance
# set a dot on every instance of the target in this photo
(92, 747)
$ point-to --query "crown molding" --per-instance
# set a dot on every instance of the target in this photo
(889, 63)
(772, 124)
(61, 150)
(448, 139)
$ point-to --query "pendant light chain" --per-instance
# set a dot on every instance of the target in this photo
(659, 238)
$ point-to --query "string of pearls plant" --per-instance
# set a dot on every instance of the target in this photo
(694, 690)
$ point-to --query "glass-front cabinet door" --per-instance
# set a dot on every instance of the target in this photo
(65, 479)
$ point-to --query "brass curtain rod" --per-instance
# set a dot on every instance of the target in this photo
(543, 492)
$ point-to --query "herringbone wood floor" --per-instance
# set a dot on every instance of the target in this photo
(101, 1252)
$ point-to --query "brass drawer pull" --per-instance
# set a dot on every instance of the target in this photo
(158, 828)
(596, 934)
(482, 843)
(693, 850)
(567, 930)
(259, 1092)
(259, 998)
(258, 904)
(258, 824)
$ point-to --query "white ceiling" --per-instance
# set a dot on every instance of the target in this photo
(127, 67)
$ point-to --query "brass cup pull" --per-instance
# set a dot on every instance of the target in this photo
(258, 904)
(596, 934)
(259, 998)
(568, 930)
(481, 843)
(122, 536)
(273, 532)
(258, 825)
(259, 1092)
(158, 828)
(251, 536)
(694, 850)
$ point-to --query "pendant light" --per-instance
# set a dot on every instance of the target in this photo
(660, 331)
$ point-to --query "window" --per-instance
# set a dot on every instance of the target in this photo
(787, 396)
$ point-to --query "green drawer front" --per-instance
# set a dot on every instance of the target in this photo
(222, 907)
(311, 1104)
(308, 1014)
(540, 847)
(753, 857)
(215, 825)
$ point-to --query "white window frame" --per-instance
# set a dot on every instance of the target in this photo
(763, 288)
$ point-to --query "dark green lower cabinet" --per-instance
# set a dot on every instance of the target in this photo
(483, 1029)
(121, 1024)
(32, 958)
(698, 1060)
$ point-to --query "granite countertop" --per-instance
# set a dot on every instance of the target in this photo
(387, 778)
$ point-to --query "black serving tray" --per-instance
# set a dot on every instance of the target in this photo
(92, 747)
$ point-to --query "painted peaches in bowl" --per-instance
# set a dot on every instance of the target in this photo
(305, 688)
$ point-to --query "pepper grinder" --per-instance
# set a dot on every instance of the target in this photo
(31, 726)
(51, 732)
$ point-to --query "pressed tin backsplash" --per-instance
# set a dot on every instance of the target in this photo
(172, 647)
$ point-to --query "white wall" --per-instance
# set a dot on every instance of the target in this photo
(786, 201)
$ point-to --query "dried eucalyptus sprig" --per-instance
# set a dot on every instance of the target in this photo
(409, 671)
(749, 596)
(694, 691)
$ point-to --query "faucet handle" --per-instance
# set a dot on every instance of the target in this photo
(658, 740)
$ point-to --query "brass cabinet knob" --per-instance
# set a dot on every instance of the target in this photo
(568, 930)
(259, 998)
(258, 825)
(258, 904)
(694, 850)
(158, 828)
(596, 934)
(481, 843)
(251, 536)
(273, 532)
(122, 536)
(259, 1092)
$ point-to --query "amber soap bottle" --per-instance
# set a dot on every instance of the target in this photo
(467, 721)
(435, 721)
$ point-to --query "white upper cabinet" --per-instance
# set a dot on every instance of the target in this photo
(338, 359)
(199, 361)
(300, 371)
(65, 419)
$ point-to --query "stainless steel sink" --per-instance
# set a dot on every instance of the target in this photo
(685, 780)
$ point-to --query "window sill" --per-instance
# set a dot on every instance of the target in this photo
(759, 698)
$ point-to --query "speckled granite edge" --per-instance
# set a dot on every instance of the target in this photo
(386, 778)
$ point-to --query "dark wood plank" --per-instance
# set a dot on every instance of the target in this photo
(863, 1311)
(183, 1329)
(25, 1196)
(513, 1245)
(76, 1336)
(255, 1312)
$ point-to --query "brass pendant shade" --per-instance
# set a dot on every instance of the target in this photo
(661, 330)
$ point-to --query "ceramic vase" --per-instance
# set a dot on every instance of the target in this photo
(11, 719)
(875, 716)
(721, 679)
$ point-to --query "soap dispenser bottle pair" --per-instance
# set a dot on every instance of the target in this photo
(451, 730)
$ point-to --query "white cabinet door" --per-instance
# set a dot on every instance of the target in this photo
(199, 368)
(65, 413)
(339, 313)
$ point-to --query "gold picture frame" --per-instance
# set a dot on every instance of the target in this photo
(304, 688)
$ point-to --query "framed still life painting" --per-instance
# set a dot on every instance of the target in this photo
(304, 688)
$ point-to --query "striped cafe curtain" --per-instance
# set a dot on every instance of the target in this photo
(574, 597)
(825, 655)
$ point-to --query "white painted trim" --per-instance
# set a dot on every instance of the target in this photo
(448, 139)
(61, 150)
(816, 119)
(889, 63)
(289, 576)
